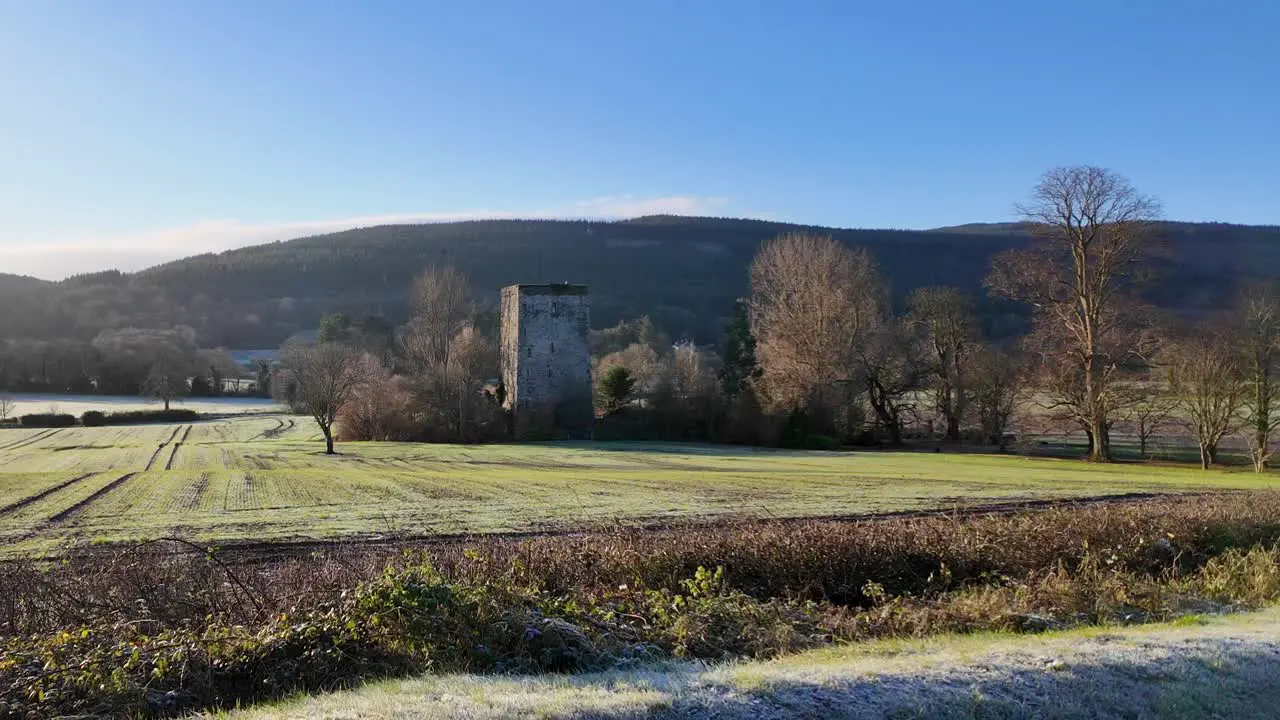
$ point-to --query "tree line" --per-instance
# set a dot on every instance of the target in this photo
(818, 354)
(164, 363)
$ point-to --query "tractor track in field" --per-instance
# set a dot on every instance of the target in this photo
(273, 432)
(176, 447)
(16, 506)
(160, 448)
(94, 497)
(42, 435)
(192, 494)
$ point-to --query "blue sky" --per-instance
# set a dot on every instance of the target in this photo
(135, 131)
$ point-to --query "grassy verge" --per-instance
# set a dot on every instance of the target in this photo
(1201, 666)
(168, 630)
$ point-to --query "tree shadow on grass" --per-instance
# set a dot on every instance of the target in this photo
(1218, 680)
(686, 448)
(1154, 675)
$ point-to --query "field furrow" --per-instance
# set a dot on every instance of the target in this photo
(160, 448)
(97, 495)
(176, 447)
(191, 495)
(31, 439)
(24, 502)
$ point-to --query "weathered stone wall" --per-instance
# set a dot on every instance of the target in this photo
(546, 359)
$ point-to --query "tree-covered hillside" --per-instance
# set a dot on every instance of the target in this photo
(684, 272)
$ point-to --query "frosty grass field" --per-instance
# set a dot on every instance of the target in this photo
(263, 477)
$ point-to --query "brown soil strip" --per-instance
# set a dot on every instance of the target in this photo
(177, 446)
(16, 506)
(97, 494)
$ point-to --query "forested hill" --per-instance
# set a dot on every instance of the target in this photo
(684, 272)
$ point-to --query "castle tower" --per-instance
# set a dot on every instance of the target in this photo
(546, 360)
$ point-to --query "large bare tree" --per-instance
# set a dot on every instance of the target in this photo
(1092, 235)
(323, 377)
(442, 308)
(1207, 381)
(167, 378)
(945, 319)
(1260, 313)
(812, 301)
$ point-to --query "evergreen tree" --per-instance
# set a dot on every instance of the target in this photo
(616, 387)
(740, 368)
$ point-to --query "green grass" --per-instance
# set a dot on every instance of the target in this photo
(1223, 666)
(265, 477)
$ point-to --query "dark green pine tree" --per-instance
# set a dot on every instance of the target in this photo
(740, 367)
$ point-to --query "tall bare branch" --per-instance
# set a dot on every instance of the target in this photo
(1093, 235)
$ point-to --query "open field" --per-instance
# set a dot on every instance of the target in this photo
(26, 403)
(265, 478)
(1198, 667)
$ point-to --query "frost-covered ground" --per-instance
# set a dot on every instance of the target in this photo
(26, 403)
(1223, 667)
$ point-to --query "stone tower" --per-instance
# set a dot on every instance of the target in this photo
(546, 360)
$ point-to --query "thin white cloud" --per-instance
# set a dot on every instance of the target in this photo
(137, 251)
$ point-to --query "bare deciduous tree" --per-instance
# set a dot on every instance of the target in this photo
(944, 317)
(1148, 407)
(167, 378)
(1092, 233)
(6, 407)
(812, 301)
(1260, 313)
(323, 377)
(997, 380)
(892, 370)
(1207, 380)
(442, 308)
(450, 399)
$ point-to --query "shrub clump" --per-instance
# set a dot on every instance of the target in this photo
(47, 420)
(136, 417)
(409, 619)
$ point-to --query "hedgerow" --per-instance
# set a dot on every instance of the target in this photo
(159, 630)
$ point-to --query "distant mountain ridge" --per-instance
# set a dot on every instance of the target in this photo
(684, 272)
